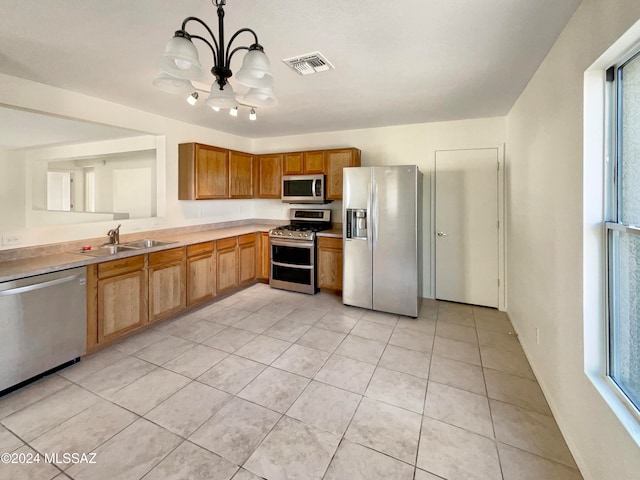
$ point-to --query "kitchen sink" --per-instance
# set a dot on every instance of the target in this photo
(109, 249)
(145, 244)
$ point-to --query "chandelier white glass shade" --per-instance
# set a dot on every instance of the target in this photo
(261, 97)
(180, 58)
(256, 70)
(180, 64)
(170, 84)
(221, 97)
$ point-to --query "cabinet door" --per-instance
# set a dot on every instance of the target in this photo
(264, 257)
(335, 161)
(240, 175)
(330, 263)
(314, 162)
(269, 176)
(121, 304)
(203, 172)
(293, 164)
(201, 278)
(166, 290)
(247, 258)
(227, 264)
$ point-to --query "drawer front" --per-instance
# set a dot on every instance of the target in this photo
(225, 243)
(121, 266)
(248, 238)
(330, 242)
(166, 256)
(200, 249)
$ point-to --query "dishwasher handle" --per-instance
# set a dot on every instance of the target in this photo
(38, 286)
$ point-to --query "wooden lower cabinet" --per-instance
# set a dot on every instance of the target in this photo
(167, 281)
(126, 294)
(227, 264)
(118, 303)
(201, 272)
(330, 263)
(247, 252)
(263, 256)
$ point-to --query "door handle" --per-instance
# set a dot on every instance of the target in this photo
(442, 234)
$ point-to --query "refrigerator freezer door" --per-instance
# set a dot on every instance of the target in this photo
(395, 239)
(357, 282)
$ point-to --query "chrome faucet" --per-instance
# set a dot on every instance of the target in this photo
(114, 235)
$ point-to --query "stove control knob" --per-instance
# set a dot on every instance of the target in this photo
(279, 233)
(290, 234)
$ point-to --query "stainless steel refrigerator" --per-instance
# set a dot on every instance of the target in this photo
(382, 238)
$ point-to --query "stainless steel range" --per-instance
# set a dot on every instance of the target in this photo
(293, 250)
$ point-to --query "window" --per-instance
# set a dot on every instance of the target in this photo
(623, 230)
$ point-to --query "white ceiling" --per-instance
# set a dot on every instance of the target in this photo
(403, 62)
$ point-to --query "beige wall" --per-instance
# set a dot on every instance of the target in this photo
(30, 95)
(545, 238)
(407, 144)
(400, 145)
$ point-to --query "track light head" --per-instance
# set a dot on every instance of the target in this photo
(193, 98)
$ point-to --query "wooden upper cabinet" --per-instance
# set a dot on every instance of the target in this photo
(208, 173)
(302, 163)
(335, 161)
(269, 174)
(203, 172)
(314, 162)
(241, 175)
(292, 164)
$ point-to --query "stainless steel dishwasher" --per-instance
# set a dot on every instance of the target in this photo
(42, 324)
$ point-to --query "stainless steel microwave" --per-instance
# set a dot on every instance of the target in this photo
(303, 189)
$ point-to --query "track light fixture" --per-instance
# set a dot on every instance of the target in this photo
(234, 112)
(192, 99)
(180, 64)
(252, 114)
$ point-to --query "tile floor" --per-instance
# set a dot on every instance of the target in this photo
(278, 385)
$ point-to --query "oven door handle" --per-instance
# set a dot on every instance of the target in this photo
(291, 243)
(290, 265)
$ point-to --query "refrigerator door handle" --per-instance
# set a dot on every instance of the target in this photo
(369, 219)
(375, 215)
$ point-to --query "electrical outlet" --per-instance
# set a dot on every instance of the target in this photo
(537, 336)
(12, 239)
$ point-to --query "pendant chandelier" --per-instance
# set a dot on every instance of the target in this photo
(180, 65)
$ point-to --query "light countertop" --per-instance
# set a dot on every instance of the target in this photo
(335, 232)
(38, 265)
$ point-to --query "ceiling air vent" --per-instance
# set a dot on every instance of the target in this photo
(309, 63)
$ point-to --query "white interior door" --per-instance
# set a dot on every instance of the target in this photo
(466, 221)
